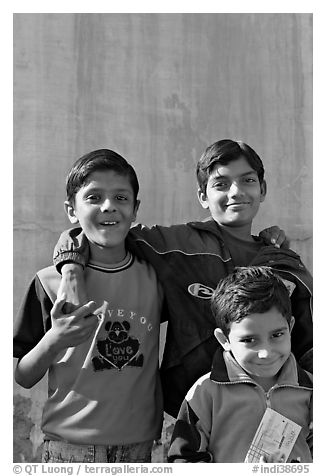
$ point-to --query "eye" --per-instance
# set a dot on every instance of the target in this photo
(248, 340)
(121, 197)
(220, 185)
(250, 180)
(93, 197)
(277, 335)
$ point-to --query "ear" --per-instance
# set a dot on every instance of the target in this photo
(202, 197)
(263, 190)
(70, 211)
(221, 337)
(291, 324)
(136, 207)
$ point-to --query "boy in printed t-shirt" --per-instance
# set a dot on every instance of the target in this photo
(105, 401)
(191, 258)
(222, 411)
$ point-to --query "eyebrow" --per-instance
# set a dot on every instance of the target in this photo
(283, 328)
(227, 176)
(89, 188)
(245, 336)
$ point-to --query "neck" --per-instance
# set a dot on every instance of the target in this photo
(266, 383)
(241, 232)
(107, 255)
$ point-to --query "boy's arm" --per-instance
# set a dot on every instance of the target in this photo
(72, 245)
(189, 441)
(70, 257)
(65, 331)
(72, 251)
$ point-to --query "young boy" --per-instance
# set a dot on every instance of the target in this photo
(191, 258)
(105, 401)
(222, 411)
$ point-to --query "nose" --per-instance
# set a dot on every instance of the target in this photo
(263, 353)
(107, 205)
(235, 189)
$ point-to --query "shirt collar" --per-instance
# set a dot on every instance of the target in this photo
(225, 369)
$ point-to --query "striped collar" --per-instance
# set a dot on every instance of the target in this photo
(114, 267)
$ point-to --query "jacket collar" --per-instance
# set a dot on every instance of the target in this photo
(208, 224)
(225, 369)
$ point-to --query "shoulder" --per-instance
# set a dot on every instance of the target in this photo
(202, 386)
(50, 279)
(146, 275)
(188, 238)
(48, 273)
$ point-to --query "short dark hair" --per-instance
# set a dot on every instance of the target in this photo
(248, 290)
(101, 159)
(223, 152)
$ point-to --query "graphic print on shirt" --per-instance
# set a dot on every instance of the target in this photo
(200, 291)
(118, 349)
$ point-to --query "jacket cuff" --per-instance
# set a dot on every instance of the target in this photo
(68, 256)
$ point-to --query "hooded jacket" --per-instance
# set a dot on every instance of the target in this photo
(222, 411)
(190, 259)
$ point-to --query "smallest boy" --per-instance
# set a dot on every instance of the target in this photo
(105, 401)
(222, 411)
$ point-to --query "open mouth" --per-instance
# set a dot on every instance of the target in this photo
(235, 205)
(108, 223)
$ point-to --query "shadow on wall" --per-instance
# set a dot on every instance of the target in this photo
(23, 426)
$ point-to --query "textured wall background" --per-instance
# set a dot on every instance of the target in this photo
(157, 88)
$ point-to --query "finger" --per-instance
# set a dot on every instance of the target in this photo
(86, 310)
(57, 308)
(282, 458)
(274, 234)
(279, 239)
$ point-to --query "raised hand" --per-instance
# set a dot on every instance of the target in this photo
(70, 330)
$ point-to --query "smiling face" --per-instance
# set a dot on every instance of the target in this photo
(105, 209)
(233, 196)
(260, 343)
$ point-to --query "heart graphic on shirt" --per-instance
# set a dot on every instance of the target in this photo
(119, 349)
(119, 355)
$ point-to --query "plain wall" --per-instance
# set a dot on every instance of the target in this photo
(158, 89)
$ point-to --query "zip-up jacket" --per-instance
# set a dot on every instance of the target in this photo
(222, 411)
(190, 259)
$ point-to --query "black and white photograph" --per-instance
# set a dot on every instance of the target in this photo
(162, 239)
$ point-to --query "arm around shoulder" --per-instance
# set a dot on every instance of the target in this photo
(72, 246)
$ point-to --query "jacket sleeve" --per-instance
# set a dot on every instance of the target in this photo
(189, 441)
(72, 247)
(144, 242)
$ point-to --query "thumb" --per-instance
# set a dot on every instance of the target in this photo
(57, 308)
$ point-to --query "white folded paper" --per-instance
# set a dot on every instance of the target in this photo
(275, 433)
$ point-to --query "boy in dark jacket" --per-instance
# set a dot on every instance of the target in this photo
(191, 258)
